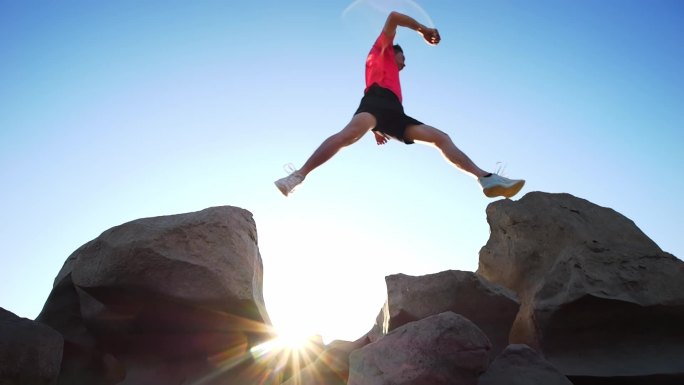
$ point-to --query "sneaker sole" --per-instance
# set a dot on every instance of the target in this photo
(504, 191)
(282, 188)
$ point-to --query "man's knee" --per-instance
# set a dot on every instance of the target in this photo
(442, 137)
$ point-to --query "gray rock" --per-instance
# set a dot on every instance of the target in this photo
(206, 257)
(520, 365)
(30, 352)
(83, 361)
(379, 328)
(491, 307)
(437, 350)
(162, 300)
(598, 297)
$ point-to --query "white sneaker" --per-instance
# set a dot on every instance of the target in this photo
(495, 185)
(287, 184)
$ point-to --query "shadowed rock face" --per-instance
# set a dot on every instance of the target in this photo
(442, 349)
(598, 297)
(30, 352)
(159, 300)
(521, 365)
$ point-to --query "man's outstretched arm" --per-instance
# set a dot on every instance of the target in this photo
(396, 19)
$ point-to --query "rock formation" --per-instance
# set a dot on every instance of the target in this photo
(30, 352)
(161, 300)
(599, 299)
(491, 307)
(443, 349)
(521, 365)
(565, 291)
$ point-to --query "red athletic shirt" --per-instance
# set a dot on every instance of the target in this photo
(381, 67)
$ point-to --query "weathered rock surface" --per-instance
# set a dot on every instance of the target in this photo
(30, 352)
(491, 307)
(161, 300)
(598, 298)
(521, 365)
(438, 350)
(208, 257)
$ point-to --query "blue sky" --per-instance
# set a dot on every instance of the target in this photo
(113, 111)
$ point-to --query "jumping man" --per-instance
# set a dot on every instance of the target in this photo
(382, 112)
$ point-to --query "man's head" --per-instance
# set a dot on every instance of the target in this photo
(399, 56)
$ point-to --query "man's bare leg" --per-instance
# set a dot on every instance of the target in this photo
(439, 139)
(493, 185)
(357, 127)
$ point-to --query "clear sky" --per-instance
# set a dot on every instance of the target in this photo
(118, 110)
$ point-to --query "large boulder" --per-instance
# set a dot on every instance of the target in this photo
(521, 365)
(443, 349)
(598, 298)
(162, 299)
(491, 307)
(30, 352)
(206, 257)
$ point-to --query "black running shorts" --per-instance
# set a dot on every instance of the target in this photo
(385, 106)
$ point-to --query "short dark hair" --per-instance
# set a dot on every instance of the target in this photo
(397, 48)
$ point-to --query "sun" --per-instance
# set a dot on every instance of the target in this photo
(289, 355)
(294, 340)
(295, 344)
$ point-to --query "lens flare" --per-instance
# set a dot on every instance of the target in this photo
(384, 7)
(288, 356)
